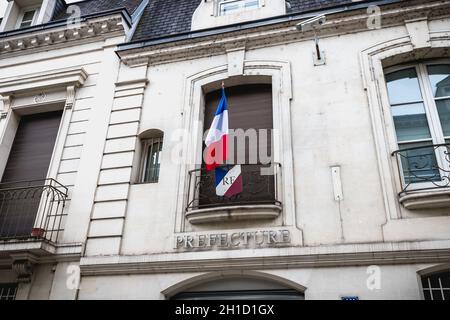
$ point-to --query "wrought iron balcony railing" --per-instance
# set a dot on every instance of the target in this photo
(259, 188)
(31, 210)
(424, 167)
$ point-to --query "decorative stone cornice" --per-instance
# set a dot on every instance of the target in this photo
(42, 80)
(198, 45)
(293, 257)
(89, 30)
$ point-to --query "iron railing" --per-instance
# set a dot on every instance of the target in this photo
(424, 167)
(260, 186)
(31, 210)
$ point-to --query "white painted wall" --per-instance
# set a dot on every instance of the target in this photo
(397, 283)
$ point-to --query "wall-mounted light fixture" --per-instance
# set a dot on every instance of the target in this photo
(314, 24)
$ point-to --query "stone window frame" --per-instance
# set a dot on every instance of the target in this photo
(280, 74)
(34, 92)
(419, 43)
(430, 107)
(24, 10)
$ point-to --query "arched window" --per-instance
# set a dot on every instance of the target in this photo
(152, 144)
(419, 96)
(240, 288)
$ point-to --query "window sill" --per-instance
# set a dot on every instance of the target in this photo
(430, 199)
(142, 183)
(234, 213)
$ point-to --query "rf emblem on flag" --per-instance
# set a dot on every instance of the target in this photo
(228, 181)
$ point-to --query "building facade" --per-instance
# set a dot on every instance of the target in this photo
(337, 115)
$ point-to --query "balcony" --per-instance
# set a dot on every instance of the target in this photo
(259, 199)
(425, 175)
(31, 211)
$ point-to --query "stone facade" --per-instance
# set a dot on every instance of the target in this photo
(343, 229)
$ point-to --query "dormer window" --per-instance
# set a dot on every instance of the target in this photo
(27, 18)
(232, 6)
(22, 14)
(217, 13)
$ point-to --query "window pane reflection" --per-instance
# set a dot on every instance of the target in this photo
(410, 122)
(403, 86)
(440, 80)
(443, 107)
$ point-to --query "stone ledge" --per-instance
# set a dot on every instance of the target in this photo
(43, 251)
(430, 199)
(363, 254)
(234, 213)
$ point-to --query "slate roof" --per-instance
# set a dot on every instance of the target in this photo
(165, 17)
(97, 6)
(168, 17)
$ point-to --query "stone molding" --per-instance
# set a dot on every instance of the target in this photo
(280, 74)
(373, 62)
(49, 79)
(278, 258)
(63, 34)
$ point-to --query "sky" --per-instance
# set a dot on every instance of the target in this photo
(4, 2)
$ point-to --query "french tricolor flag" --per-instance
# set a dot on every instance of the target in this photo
(228, 181)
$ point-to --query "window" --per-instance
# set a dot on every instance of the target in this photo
(436, 286)
(24, 186)
(152, 148)
(8, 291)
(249, 139)
(419, 96)
(231, 6)
(28, 18)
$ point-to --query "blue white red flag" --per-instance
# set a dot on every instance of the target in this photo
(228, 180)
(216, 152)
